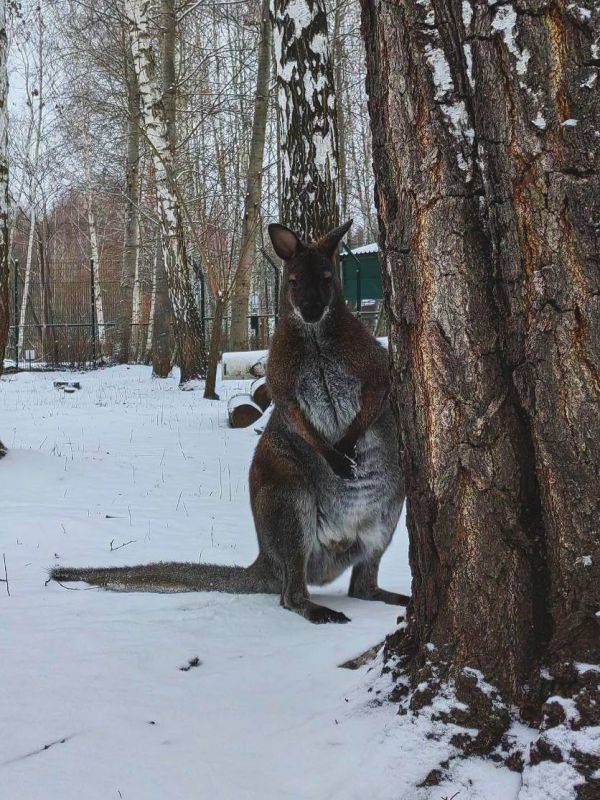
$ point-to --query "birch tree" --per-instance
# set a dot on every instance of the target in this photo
(94, 250)
(187, 323)
(128, 327)
(35, 102)
(252, 200)
(4, 220)
(306, 107)
(485, 126)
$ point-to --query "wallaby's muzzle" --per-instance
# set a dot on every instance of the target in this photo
(313, 312)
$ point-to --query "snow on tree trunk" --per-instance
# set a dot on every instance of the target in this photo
(486, 163)
(187, 323)
(4, 233)
(306, 108)
(238, 333)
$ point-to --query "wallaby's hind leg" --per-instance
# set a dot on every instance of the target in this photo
(295, 593)
(285, 517)
(363, 582)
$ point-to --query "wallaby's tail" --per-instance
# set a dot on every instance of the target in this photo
(175, 577)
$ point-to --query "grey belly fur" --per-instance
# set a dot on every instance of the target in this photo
(358, 517)
(354, 517)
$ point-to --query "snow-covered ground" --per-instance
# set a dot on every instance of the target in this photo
(93, 701)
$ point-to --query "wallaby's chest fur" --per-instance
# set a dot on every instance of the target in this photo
(327, 393)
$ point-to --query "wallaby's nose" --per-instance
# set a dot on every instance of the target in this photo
(311, 313)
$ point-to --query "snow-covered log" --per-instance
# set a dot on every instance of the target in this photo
(242, 411)
(244, 364)
(261, 393)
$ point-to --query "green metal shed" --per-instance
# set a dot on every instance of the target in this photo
(361, 275)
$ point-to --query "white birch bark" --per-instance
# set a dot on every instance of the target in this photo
(188, 331)
(26, 280)
(306, 108)
(136, 305)
(34, 167)
(95, 257)
(94, 249)
(127, 336)
(4, 237)
(152, 312)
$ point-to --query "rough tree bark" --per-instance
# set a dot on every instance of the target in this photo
(306, 110)
(339, 54)
(187, 324)
(238, 332)
(488, 194)
(160, 333)
(132, 219)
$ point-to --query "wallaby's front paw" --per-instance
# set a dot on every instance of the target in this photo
(320, 615)
(347, 448)
(342, 465)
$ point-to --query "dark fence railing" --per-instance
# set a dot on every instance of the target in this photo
(62, 328)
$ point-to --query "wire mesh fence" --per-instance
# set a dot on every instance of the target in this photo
(72, 323)
(64, 322)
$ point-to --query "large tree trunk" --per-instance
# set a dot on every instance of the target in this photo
(243, 275)
(126, 330)
(158, 124)
(487, 193)
(307, 116)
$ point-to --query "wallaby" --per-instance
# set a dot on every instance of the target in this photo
(326, 488)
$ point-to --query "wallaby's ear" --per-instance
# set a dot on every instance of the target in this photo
(328, 244)
(285, 242)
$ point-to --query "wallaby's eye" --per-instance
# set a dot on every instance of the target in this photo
(327, 275)
(292, 279)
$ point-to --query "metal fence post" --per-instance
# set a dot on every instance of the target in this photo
(16, 310)
(358, 291)
(93, 309)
